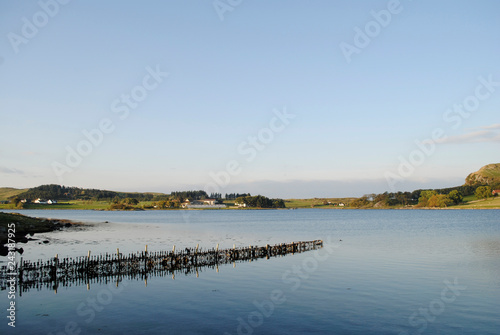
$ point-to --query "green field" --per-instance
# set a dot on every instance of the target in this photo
(490, 203)
(470, 202)
(7, 192)
(316, 202)
(72, 204)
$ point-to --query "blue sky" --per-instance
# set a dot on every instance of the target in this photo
(355, 117)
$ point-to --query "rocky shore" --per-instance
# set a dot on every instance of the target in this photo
(17, 227)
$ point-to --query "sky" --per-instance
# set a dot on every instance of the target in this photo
(290, 99)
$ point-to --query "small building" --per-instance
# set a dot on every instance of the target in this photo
(204, 203)
(209, 201)
(45, 202)
(495, 192)
(240, 204)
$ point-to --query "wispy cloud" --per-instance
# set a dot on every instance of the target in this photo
(6, 170)
(489, 133)
(493, 126)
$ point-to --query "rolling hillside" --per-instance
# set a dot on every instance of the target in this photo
(488, 174)
(7, 192)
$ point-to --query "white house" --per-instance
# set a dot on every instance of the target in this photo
(44, 202)
(205, 203)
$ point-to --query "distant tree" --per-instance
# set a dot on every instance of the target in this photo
(260, 202)
(360, 202)
(439, 200)
(425, 195)
(483, 192)
(456, 197)
(130, 201)
(161, 204)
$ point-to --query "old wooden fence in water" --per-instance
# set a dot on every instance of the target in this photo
(113, 267)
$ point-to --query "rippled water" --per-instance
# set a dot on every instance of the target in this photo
(394, 272)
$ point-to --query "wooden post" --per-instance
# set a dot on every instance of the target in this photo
(173, 249)
(88, 261)
(197, 245)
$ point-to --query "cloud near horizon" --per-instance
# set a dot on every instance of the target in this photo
(6, 170)
(489, 133)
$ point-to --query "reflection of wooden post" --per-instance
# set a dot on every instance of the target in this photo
(217, 255)
(56, 263)
(21, 277)
(118, 256)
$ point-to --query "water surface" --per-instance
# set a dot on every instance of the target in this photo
(380, 272)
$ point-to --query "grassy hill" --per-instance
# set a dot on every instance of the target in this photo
(7, 192)
(489, 203)
(488, 174)
(317, 202)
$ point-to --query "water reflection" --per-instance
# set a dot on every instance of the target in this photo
(104, 269)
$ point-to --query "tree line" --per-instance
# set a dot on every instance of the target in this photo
(260, 201)
(58, 192)
(425, 198)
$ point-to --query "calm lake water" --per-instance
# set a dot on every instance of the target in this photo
(380, 272)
